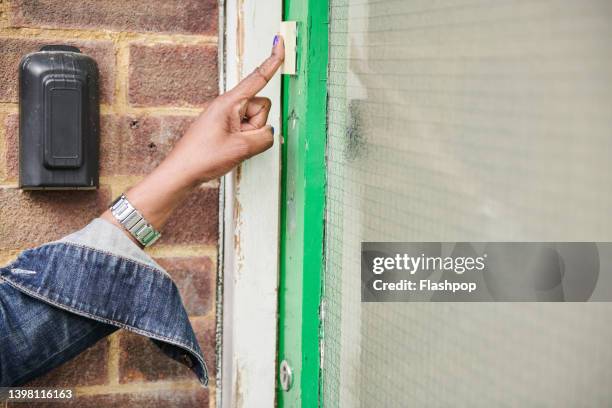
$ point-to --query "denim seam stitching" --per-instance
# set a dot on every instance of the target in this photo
(67, 243)
(34, 294)
(88, 314)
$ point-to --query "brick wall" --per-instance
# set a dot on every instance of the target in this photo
(158, 65)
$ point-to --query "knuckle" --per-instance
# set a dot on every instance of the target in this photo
(223, 98)
(276, 59)
(260, 75)
(222, 101)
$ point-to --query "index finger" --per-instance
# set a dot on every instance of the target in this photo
(257, 80)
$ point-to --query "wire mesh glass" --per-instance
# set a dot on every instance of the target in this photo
(462, 120)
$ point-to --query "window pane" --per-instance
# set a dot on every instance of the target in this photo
(466, 120)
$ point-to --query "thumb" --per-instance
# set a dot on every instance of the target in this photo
(258, 140)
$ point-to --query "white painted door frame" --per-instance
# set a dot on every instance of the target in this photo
(250, 224)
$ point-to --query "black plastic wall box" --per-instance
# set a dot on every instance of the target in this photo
(59, 119)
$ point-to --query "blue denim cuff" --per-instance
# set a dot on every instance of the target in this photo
(98, 273)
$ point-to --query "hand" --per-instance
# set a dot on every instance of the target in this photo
(231, 129)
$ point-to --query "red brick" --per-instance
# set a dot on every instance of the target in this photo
(141, 360)
(13, 49)
(205, 330)
(177, 16)
(196, 221)
(31, 218)
(11, 146)
(195, 279)
(171, 398)
(88, 368)
(165, 74)
(135, 145)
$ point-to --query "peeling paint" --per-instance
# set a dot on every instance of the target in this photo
(239, 256)
(238, 398)
(240, 39)
(293, 119)
(238, 174)
(238, 224)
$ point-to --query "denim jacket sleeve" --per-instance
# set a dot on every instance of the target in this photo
(61, 297)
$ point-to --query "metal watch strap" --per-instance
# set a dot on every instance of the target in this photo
(128, 216)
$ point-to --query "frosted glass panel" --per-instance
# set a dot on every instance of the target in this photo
(466, 121)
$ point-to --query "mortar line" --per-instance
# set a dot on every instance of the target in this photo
(202, 317)
(154, 110)
(9, 107)
(125, 179)
(100, 34)
(3, 174)
(119, 180)
(123, 182)
(137, 387)
(122, 66)
(165, 110)
(114, 355)
(13, 107)
(4, 8)
(184, 251)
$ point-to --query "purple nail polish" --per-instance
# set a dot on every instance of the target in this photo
(272, 130)
(275, 41)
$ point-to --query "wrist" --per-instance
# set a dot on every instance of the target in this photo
(156, 196)
(184, 172)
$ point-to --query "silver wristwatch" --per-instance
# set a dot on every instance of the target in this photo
(128, 216)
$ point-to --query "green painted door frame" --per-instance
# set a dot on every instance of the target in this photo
(303, 204)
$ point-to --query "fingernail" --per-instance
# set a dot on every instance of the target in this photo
(275, 41)
(272, 130)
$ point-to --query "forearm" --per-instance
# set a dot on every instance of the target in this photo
(157, 195)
